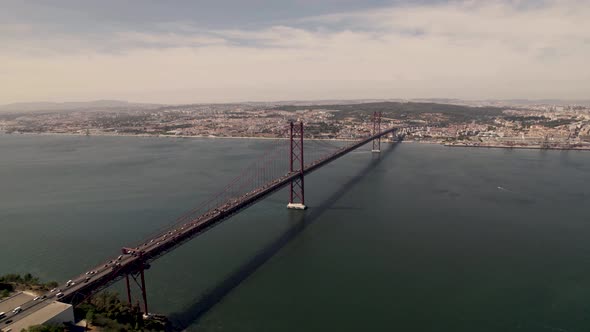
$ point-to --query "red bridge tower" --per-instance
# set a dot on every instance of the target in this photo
(376, 130)
(297, 196)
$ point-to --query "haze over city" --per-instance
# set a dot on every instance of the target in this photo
(230, 50)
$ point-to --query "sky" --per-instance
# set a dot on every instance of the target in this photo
(271, 50)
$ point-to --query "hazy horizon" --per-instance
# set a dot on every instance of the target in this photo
(233, 51)
(344, 100)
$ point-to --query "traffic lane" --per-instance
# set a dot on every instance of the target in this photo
(101, 273)
(27, 309)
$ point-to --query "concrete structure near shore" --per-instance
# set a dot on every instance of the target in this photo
(54, 312)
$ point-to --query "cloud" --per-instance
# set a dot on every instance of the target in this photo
(467, 49)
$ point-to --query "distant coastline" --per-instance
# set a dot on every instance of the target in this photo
(525, 147)
(461, 145)
(171, 136)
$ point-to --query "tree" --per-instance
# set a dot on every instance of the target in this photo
(90, 316)
(46, 328)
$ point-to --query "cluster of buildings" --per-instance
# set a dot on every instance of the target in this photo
(534, 125)
(185, 121)
(540, 127)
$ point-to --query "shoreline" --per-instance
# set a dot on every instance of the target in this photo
(174, 136)
(530, 147)
(492, 146)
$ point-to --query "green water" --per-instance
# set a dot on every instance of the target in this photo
(423, 238)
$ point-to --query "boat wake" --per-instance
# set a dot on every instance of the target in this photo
(507, 190)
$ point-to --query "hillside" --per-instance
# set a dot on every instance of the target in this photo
(407, 110)
(69, 106)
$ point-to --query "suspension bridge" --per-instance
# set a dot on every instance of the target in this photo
(283, 165)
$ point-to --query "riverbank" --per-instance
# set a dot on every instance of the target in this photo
(176, 136)
(492, 146)
(11, 283)
(522, 147)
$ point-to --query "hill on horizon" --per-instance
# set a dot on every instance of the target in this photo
(69, 106)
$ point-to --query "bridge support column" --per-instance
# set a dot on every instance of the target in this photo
(143, 292)
(297, 195)
(128, 290)
(376, 129)
(140, 284)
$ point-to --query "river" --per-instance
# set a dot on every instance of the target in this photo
(420, 238)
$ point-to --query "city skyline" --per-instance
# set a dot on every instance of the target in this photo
(200, 52)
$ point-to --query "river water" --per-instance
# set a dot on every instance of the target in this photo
(420, 238)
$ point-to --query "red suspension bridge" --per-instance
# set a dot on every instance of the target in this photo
(270, 173)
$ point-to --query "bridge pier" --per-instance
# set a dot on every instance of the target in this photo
(376, 129)
(297, 186)
(140, 284)
(143, 292)
(128, 290)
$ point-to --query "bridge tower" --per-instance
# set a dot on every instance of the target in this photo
(297, 195)
(376, 130)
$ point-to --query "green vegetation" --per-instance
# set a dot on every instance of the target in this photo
(13, 282)
(45, 328)
(559, 122)
(525, 118)
(527, 121)
(448, 113)
(105, 310)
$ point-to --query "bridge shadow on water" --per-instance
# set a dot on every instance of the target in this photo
(202, 304)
